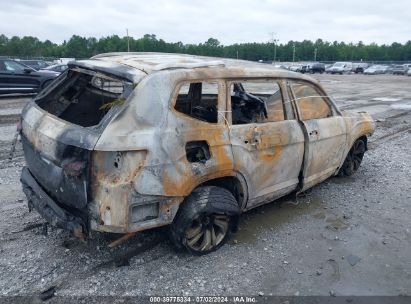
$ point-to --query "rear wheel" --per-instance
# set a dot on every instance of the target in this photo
(205, 220)
(354, 158)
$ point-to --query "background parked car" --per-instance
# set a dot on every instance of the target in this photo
(35, 64)
(359, 67)
(296, 67)
(376, 69)
(16, 77)
(340, 68)
(407, 68)
(304, 68)
(316, 67)
(327, 67)
(281, 66)
(402, 69)
(388, 69)
(55, 68)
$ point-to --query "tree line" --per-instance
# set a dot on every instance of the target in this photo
(306, 50)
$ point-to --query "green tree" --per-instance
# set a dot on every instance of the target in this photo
(84, 47)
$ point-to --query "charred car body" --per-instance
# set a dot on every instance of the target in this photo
(127, 142)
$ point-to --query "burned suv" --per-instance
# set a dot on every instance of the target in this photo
(125, 142)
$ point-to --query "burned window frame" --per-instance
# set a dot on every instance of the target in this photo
(287, 111)
(221, 106)
(322, 94)
(128, 88)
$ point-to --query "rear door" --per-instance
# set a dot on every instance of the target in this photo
(199, 136)
(268, 148)
(325, 132)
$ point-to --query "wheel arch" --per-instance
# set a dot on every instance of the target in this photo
(236, 184)
(364, 138)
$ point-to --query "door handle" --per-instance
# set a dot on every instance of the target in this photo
(314, 132)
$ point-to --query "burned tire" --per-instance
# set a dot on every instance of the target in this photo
(205, 219)
(354, 158)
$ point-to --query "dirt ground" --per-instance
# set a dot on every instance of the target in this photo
(348, 236)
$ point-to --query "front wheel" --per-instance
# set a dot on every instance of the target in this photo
(354, 158)
(205, 220)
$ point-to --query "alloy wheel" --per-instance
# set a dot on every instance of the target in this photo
(207, 232)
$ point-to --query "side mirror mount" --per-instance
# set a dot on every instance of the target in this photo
(27, 70)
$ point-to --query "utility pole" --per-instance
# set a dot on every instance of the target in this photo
(128, 42)
(275, 50)
(293, 52)
(237, 54)
(315, 54)
(275, 45)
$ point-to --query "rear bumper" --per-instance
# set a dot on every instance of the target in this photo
(47, 207)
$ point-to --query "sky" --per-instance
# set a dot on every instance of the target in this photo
(194, 21)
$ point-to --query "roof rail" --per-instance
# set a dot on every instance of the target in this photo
(191, 65)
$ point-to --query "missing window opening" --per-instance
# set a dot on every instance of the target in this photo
(199, 100)
(85, 97)
(256, 101)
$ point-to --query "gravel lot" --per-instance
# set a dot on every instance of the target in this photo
(348, 236)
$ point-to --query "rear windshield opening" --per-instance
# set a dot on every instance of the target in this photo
(84, 97)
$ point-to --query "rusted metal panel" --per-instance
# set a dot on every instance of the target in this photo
(114, 195)
(269, 155)
(326, 140)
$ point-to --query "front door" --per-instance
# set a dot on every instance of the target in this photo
(325, 132)
(267, 142)
(14, 78)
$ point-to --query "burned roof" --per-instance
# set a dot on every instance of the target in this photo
(133, 66)
(149, 62)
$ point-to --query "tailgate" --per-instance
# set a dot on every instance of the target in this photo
(57, 155)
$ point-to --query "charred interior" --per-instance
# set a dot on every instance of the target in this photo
(84, 97)
(199, 100)
(246, 107)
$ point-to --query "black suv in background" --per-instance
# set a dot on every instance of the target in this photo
(316, 67)
(19, 78)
